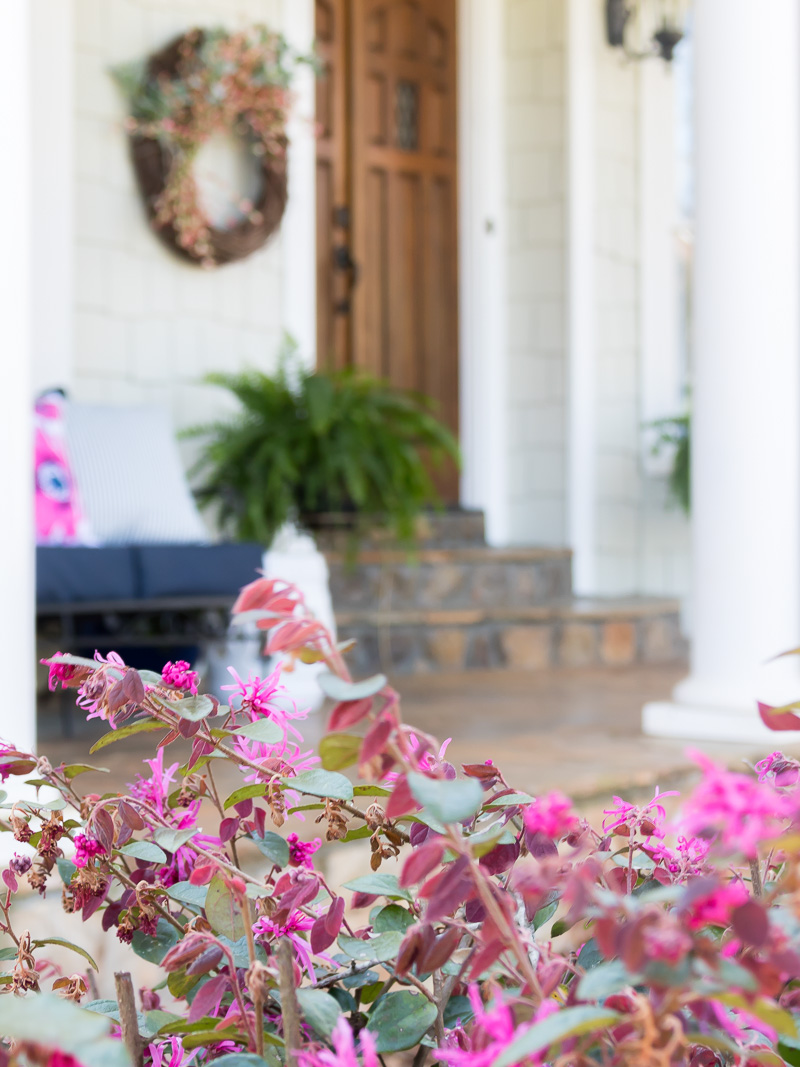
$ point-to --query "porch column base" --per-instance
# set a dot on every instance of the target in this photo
(702, 710)
(696, 722)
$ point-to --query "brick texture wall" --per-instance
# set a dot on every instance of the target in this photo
(148, 327)
(536, 145)
(642, 543)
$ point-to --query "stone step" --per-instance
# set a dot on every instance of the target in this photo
(463, 578)
(564, 633)
(446, 529)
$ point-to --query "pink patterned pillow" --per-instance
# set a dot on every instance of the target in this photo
(59, 518)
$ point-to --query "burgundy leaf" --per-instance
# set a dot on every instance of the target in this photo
(208, 997)
(228, 829)
(440, 951)
(203, 875)
(335, 916)
(751, 923)
(348, 713)
(103, 828)
(447, 890)
(115, 698)
(320, 938)
(293, 634)
(500, 858)
(10, 880)
(402, 801)
(187, 728)
(540, 845)
(363, 900)
(133, 686)
(243, 808)
(206, 961)
(778, 720)
(130, 816)
(376, 737)
(421, 862)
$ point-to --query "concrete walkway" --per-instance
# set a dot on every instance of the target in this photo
(574, 730)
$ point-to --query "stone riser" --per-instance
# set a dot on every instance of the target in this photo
(445, 645)
(450, 580)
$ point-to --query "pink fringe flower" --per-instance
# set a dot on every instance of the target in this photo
(180, 676)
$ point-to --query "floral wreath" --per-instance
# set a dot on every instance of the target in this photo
(202, 82)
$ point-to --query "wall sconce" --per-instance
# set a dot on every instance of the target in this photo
(669, 18)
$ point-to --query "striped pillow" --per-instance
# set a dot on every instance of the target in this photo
(129, 473)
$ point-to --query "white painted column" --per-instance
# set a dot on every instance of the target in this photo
(18, 708)
(51, 79)
(299, 226)
(582, 37)
(483, 343)
(746, 396)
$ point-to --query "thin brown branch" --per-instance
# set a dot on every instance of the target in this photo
(290, 1008)
(128, 1019)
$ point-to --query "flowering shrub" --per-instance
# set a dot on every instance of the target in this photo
(489, 928)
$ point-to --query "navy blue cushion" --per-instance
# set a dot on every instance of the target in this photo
(71, 575)
(196, 570)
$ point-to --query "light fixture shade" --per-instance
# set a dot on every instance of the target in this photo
(617, 15)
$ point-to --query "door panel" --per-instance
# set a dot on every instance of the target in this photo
(399, 315)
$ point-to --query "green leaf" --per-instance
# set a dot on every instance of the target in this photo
(66, 944)
(339, 751)
(186, 893)
(393, 917)
(74, 661)
(338, 689)
(764, 1009)
(74, 769)
(245, 792)
(378, 949)
(240, 1059)
(590, 955)
(603, 980)
(264, 730)
(193, 708)
(448, 801)
(223, 910)
(154, 949)
(126, 731)
(66, 868)
(458, 1010)
(321, 1010)
(510, 800)
(104, 1053)
(273, 847)
(171, 840)
(144, 850)
(545, 914)
(51, 1020)
(381, 885)
(400, 1020)
(320, 783)
(371, 791)
(9, 953)
(566, 1023)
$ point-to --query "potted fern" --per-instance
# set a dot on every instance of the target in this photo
(320, 448)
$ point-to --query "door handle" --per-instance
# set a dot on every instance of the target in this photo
(343, 260)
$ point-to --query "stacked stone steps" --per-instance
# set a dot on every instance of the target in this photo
(457, 604)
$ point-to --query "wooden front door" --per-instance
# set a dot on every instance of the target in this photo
(387, 252)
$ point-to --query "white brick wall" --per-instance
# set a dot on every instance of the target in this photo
(642, 542)
(535, 137)
(147, 326)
